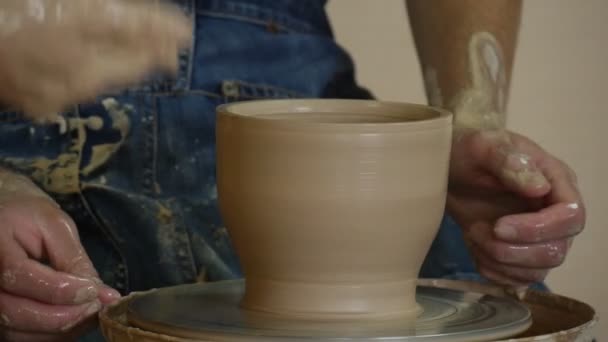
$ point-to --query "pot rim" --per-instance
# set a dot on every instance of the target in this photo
(410, 116)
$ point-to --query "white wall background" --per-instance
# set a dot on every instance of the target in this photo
(558, 95)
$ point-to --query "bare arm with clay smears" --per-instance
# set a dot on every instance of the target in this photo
(49, 290)
(519, 206)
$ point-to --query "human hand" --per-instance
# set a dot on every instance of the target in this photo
(518, 205)
(57, 53)
(49, 290)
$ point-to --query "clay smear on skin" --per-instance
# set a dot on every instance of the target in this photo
(482, 105)
(121, 123)
(520, 170)
(85, 294)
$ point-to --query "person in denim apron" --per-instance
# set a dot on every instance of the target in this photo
(135, 170)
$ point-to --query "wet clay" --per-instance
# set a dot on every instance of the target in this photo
(332, 204)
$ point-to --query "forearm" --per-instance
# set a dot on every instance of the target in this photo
(466, 50)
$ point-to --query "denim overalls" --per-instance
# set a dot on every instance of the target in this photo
(136, 170)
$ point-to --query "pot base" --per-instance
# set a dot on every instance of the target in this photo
(212, 312)
(334, 301)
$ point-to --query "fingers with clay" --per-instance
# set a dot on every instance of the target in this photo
(531, 208)
(563, 216)
(524, 244)
(514, 168)
(58, 53)
(48, 285)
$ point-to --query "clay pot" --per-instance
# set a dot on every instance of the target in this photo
(332, 204)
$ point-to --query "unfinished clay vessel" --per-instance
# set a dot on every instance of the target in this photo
(332, 204)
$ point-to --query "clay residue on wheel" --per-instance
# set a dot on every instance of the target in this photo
(555, 318)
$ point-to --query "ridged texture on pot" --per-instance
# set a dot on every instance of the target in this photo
(332, 205)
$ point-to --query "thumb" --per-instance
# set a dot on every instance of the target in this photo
(515, 169)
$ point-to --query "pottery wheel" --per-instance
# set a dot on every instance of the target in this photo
(212, 312)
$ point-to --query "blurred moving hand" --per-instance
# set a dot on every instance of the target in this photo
(57, 53)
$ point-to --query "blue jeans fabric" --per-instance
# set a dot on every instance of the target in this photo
(141, 187)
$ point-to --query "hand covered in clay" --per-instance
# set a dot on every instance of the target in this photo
(49, 290)
(519, 206)
(57, 53)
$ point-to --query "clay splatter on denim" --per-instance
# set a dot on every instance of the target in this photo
(61, 174)
(119, 115)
